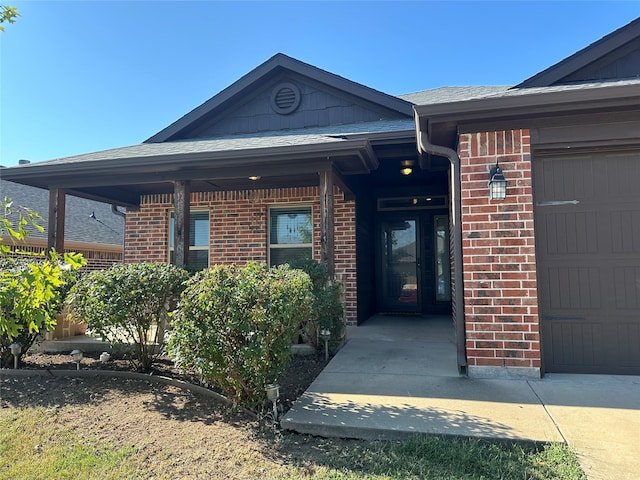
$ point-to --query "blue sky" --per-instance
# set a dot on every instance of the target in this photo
(83, 76)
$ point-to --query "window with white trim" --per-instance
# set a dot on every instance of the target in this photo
(290, 234)
(198, 240)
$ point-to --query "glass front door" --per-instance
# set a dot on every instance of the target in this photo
(413, 263)
(400, 272)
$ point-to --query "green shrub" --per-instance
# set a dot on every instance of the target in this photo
(32, 288)
(126, 302)
(32, 293)
(235, 325)
(327, 310)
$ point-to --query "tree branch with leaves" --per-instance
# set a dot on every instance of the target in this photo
(32, 287)
(8, 14)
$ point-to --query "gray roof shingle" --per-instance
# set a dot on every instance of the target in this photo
(451, 94)
(307, 136)
(569, 87)
(461, 94)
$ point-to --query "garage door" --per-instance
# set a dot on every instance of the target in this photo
(587, 221)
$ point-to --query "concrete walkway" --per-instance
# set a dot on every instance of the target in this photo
(397, 376)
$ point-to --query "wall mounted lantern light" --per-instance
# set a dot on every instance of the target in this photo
(497, 184)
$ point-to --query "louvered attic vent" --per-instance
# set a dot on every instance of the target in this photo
(285, 98)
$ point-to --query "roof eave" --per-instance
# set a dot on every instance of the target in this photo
(530, 105)
(167, 164)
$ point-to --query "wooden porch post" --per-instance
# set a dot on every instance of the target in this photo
(326, 220)
(181, 215)
(57, 201)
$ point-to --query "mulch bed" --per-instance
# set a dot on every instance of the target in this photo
(295, 380)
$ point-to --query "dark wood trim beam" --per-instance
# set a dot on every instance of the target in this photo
(181, 215)
(339, 181)
(111, 195)
(115, 180)
(326, 220)
(55, 235)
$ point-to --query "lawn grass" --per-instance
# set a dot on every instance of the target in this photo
(33, 445)
(440, 458)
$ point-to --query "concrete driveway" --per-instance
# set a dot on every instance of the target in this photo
(397, 376)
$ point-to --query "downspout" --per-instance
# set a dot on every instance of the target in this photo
(424, 145)
(115, 211)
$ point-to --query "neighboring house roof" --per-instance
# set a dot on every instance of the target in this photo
(596, 62)
(104, 227)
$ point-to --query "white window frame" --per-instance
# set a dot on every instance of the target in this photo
(287, 206)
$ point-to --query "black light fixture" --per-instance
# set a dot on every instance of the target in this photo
(497, 184)
(94, 217)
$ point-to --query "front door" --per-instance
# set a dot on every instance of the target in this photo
(413, 263)
(400, 268)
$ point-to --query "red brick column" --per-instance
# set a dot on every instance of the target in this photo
(500, 287)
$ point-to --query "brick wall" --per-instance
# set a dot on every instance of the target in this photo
(238, 229)
(98, 257)
(500, 289)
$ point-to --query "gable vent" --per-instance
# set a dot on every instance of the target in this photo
(285, 98)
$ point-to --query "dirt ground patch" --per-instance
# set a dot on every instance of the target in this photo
(175, 433)
(295, 380)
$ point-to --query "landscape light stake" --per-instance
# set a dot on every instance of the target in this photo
(325, 335)
(15, 348)
(77, 356)
(273, 393)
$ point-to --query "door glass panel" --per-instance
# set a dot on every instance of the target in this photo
(400, 264)
(443, 275)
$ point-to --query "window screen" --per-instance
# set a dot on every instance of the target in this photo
(290, 234)
(198, 239)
